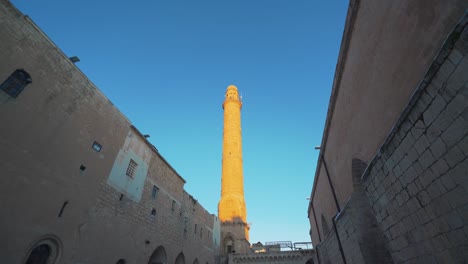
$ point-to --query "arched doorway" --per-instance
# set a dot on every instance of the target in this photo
(180, 259)
(39, 255)
(45, 251)
(310, 261)
(158, 256)
(196, 261)
(228, 244)
(121, 261)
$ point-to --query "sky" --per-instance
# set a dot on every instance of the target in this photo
(166, 65)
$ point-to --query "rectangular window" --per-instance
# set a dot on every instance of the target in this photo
(173, 205)
(131, 169)
(195, 228)
(97, 147)
(154, 193)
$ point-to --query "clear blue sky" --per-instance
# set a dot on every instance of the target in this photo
(166, 66)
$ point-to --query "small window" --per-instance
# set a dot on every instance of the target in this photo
(97, 147)
(153, 212)
(195, 228)
(16, 82)
(173, 205)
(132, 166)
(154, 193)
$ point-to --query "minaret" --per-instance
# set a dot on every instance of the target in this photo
(231, 208)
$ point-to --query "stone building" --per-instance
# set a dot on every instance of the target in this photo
(79, 183)
(391, 182)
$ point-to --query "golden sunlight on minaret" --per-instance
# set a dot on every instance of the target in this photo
(231, 207)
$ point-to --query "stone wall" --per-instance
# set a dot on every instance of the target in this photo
(386, 49)
(283, 257)
(418, 185)
(58, 191)
(410, 203)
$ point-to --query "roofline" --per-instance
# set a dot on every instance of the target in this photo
(155, 150)
(353, 8)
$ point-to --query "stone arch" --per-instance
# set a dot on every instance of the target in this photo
(180, 258)
(228, 244)
(325, 226)
(358, 167)
(159, 256)
(46, 250)
(196, 261)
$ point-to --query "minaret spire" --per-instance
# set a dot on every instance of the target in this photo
(231, 208)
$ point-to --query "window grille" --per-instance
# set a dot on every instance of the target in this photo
(132, 166)
(16, 82)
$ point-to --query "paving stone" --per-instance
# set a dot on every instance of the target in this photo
(439, 167)
(454, 156)
(463, 144)
(443, 121)
(459, 173)
(455, 132)
(438, 148)
(426, 158)
(421, 144)
(457, 197)
(433, 110)
(457, 105)
(455, 56)
(435, 189)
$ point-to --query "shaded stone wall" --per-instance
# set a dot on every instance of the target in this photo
(411, 203)
(283, 257)
(418, 185)
(55, 189)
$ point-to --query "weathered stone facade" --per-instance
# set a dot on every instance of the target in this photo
(78, 181)
(283, 257)
(393, 188)
(418, 183)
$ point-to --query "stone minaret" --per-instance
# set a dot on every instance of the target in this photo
(231, 208)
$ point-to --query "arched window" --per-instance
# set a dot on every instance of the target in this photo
(39, 255)
(46, 251)
(325, 227)
(16, 82)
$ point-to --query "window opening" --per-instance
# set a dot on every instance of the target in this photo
(154, 193)
(132, 166)
(97, 147)
(16, 82)
(39, 255)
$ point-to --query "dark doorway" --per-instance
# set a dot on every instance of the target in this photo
(39, 255)
(158, 256)
(180, 259)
